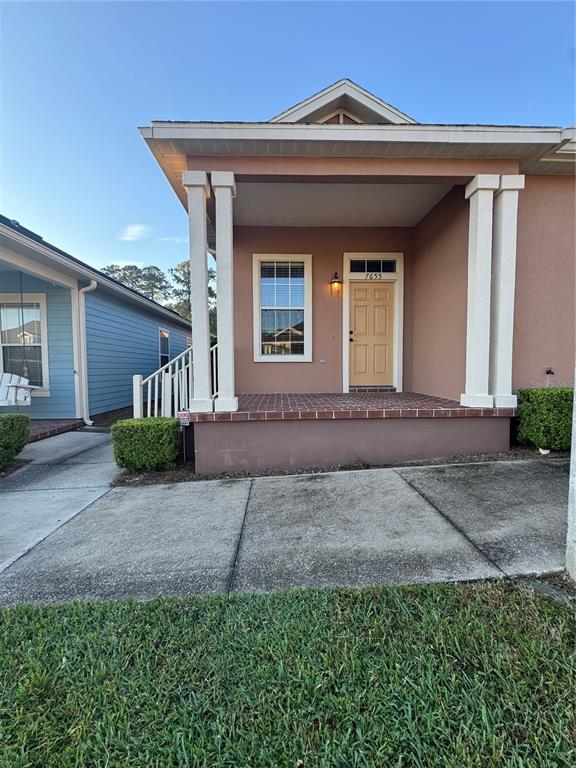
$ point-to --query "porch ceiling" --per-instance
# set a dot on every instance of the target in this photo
(330, 204)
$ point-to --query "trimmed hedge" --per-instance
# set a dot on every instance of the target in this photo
(146, 444)
(546, 417)
(14, 435)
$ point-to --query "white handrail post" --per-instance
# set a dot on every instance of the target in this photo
(190, 377)
(175, 388)
(166, 394)
(137, 396)
(214, 363)
(191, 374)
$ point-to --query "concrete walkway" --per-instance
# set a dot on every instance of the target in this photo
(65, 475)
(388, 526)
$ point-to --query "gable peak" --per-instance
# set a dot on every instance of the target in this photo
(343, 102)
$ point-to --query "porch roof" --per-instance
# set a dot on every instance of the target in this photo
(536, 150)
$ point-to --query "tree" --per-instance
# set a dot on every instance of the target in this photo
(150, 280)
(180, 275)
(155, 284)
(172, 290)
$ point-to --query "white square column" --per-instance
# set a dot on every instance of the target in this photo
(197, 189)
(480, 192)
(503, 287)
(224, 191)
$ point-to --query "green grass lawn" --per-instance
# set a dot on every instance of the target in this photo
(448, 675)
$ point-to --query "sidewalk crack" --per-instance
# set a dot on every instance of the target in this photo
(239, 542)
(456, 527)
(4, 566)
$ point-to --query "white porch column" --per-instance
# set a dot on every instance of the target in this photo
(571, 535)
(503, 285)
(197, 188)
(224, 191)
(480, 192)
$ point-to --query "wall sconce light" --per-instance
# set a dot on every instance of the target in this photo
(335, 285)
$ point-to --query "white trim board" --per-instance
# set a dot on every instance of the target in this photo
(257, 258)
(77, 350)
(341, 113)
(22, 263)
(432, 135)
(395, 277)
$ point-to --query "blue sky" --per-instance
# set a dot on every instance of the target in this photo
(78, 78)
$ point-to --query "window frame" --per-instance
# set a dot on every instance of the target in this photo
(40, 299)
(257, 259)
(162, 330)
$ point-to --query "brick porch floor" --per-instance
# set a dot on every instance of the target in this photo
(358, 405)
(41, 428)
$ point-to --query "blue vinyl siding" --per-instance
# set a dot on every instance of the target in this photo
(122, 340)
(61, 402)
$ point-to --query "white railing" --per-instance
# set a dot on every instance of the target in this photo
(214, 369)
(171, 388)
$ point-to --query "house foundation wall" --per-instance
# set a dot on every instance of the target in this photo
(252, 446)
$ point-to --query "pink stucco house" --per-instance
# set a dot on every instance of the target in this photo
(384, 286)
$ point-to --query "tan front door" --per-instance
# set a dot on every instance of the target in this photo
(371, 334)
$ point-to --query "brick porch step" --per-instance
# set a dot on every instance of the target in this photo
(359, 405)
(42, 428)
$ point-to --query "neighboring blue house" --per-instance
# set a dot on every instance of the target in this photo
(74, 332)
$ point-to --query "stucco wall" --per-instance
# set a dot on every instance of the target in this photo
(436, 300)
(545, 313)
(326, 244)
(435, 295)
(237, 446)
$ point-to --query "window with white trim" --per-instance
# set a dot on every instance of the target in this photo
(164, 347)
(282, 308)
(23, 337)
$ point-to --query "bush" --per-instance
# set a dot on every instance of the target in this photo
(146, 444)
(14, 435)
(546, 417)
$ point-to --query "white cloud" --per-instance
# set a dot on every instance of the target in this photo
(134, 232)
(173, 239)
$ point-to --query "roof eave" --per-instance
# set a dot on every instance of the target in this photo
(416, 133)
(69, 265)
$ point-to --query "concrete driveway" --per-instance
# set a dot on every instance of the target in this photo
(387, 526)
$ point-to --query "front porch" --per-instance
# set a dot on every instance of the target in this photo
(329, 284)
(434, 315)
(287, 406)
(308, 430)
